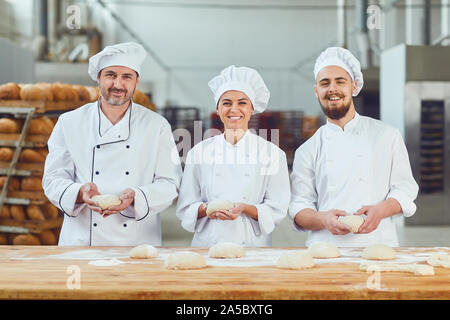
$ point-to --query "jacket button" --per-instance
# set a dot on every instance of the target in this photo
(127, 173)
(96, 172)
(95, 224)
(128, 147)
(125, 225)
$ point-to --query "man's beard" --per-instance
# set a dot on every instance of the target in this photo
(107, 95)
(336, 113)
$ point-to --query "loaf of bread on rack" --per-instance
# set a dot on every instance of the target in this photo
(17, 212)
(50, 211)
(6, 154)
(36, 92)
(10, 91)
(48, 237)
(35, 213)
(31, 156)
(42, 125)
(26, 240)
(83, 93)
(5, 213)
(14, 183)
(31, 184)
(8, 125)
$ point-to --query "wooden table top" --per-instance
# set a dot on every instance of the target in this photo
(52, 272)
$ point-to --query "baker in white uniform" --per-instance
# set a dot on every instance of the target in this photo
(237, 166)
(352, 165)
(112, 146)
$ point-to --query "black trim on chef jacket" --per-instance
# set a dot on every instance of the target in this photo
(59, 201)
(93, 157)
(92, 171)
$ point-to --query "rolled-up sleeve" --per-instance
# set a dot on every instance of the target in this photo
(304, 193)
(402, 186)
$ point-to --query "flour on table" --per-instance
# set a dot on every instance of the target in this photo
(105, 263)
(417, 269)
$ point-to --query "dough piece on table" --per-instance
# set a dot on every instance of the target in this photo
(295, 260)
(106, 201)
(324, 250)
(217, 205)
(352, 221)
(143, 251)
(439, 260)
(378, 252)
(184, 260)
(226, 250)
(417, 269)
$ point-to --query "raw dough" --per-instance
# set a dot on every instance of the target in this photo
(184, 260)
(324, 250)
(226, 250)
(378, 252)
(439, 260)
(106, 201)
(352, 221)
(217, 205)
(417, 269)
(143, 251)
(295, 260)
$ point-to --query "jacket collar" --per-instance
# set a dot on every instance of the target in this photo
(109, 133)
(349, 126)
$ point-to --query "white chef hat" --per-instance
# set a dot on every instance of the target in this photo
(128, 54)
(242, 79)
(336, 56)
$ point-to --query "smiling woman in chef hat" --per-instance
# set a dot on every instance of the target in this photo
(245, 178)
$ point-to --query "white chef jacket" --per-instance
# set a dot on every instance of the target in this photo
(364, 164)
(253, 171)
(137, 152)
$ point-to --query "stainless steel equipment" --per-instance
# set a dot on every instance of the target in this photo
(415, 97)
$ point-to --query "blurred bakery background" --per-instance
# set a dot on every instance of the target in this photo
(403, 46)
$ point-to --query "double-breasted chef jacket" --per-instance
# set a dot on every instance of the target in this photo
(138, 152)
(363, 164)
(252, 171)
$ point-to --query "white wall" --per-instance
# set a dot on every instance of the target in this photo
(198, 38)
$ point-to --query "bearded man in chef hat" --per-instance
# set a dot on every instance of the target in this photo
(115, 148)
(352, 165)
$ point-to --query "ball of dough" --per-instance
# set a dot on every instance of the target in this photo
(226, 250)
(106, 201)
(352, 221)
(184, 260)
(324, 250)
(143, 251)
(217, 205)
(295, 260)
(378, 252)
